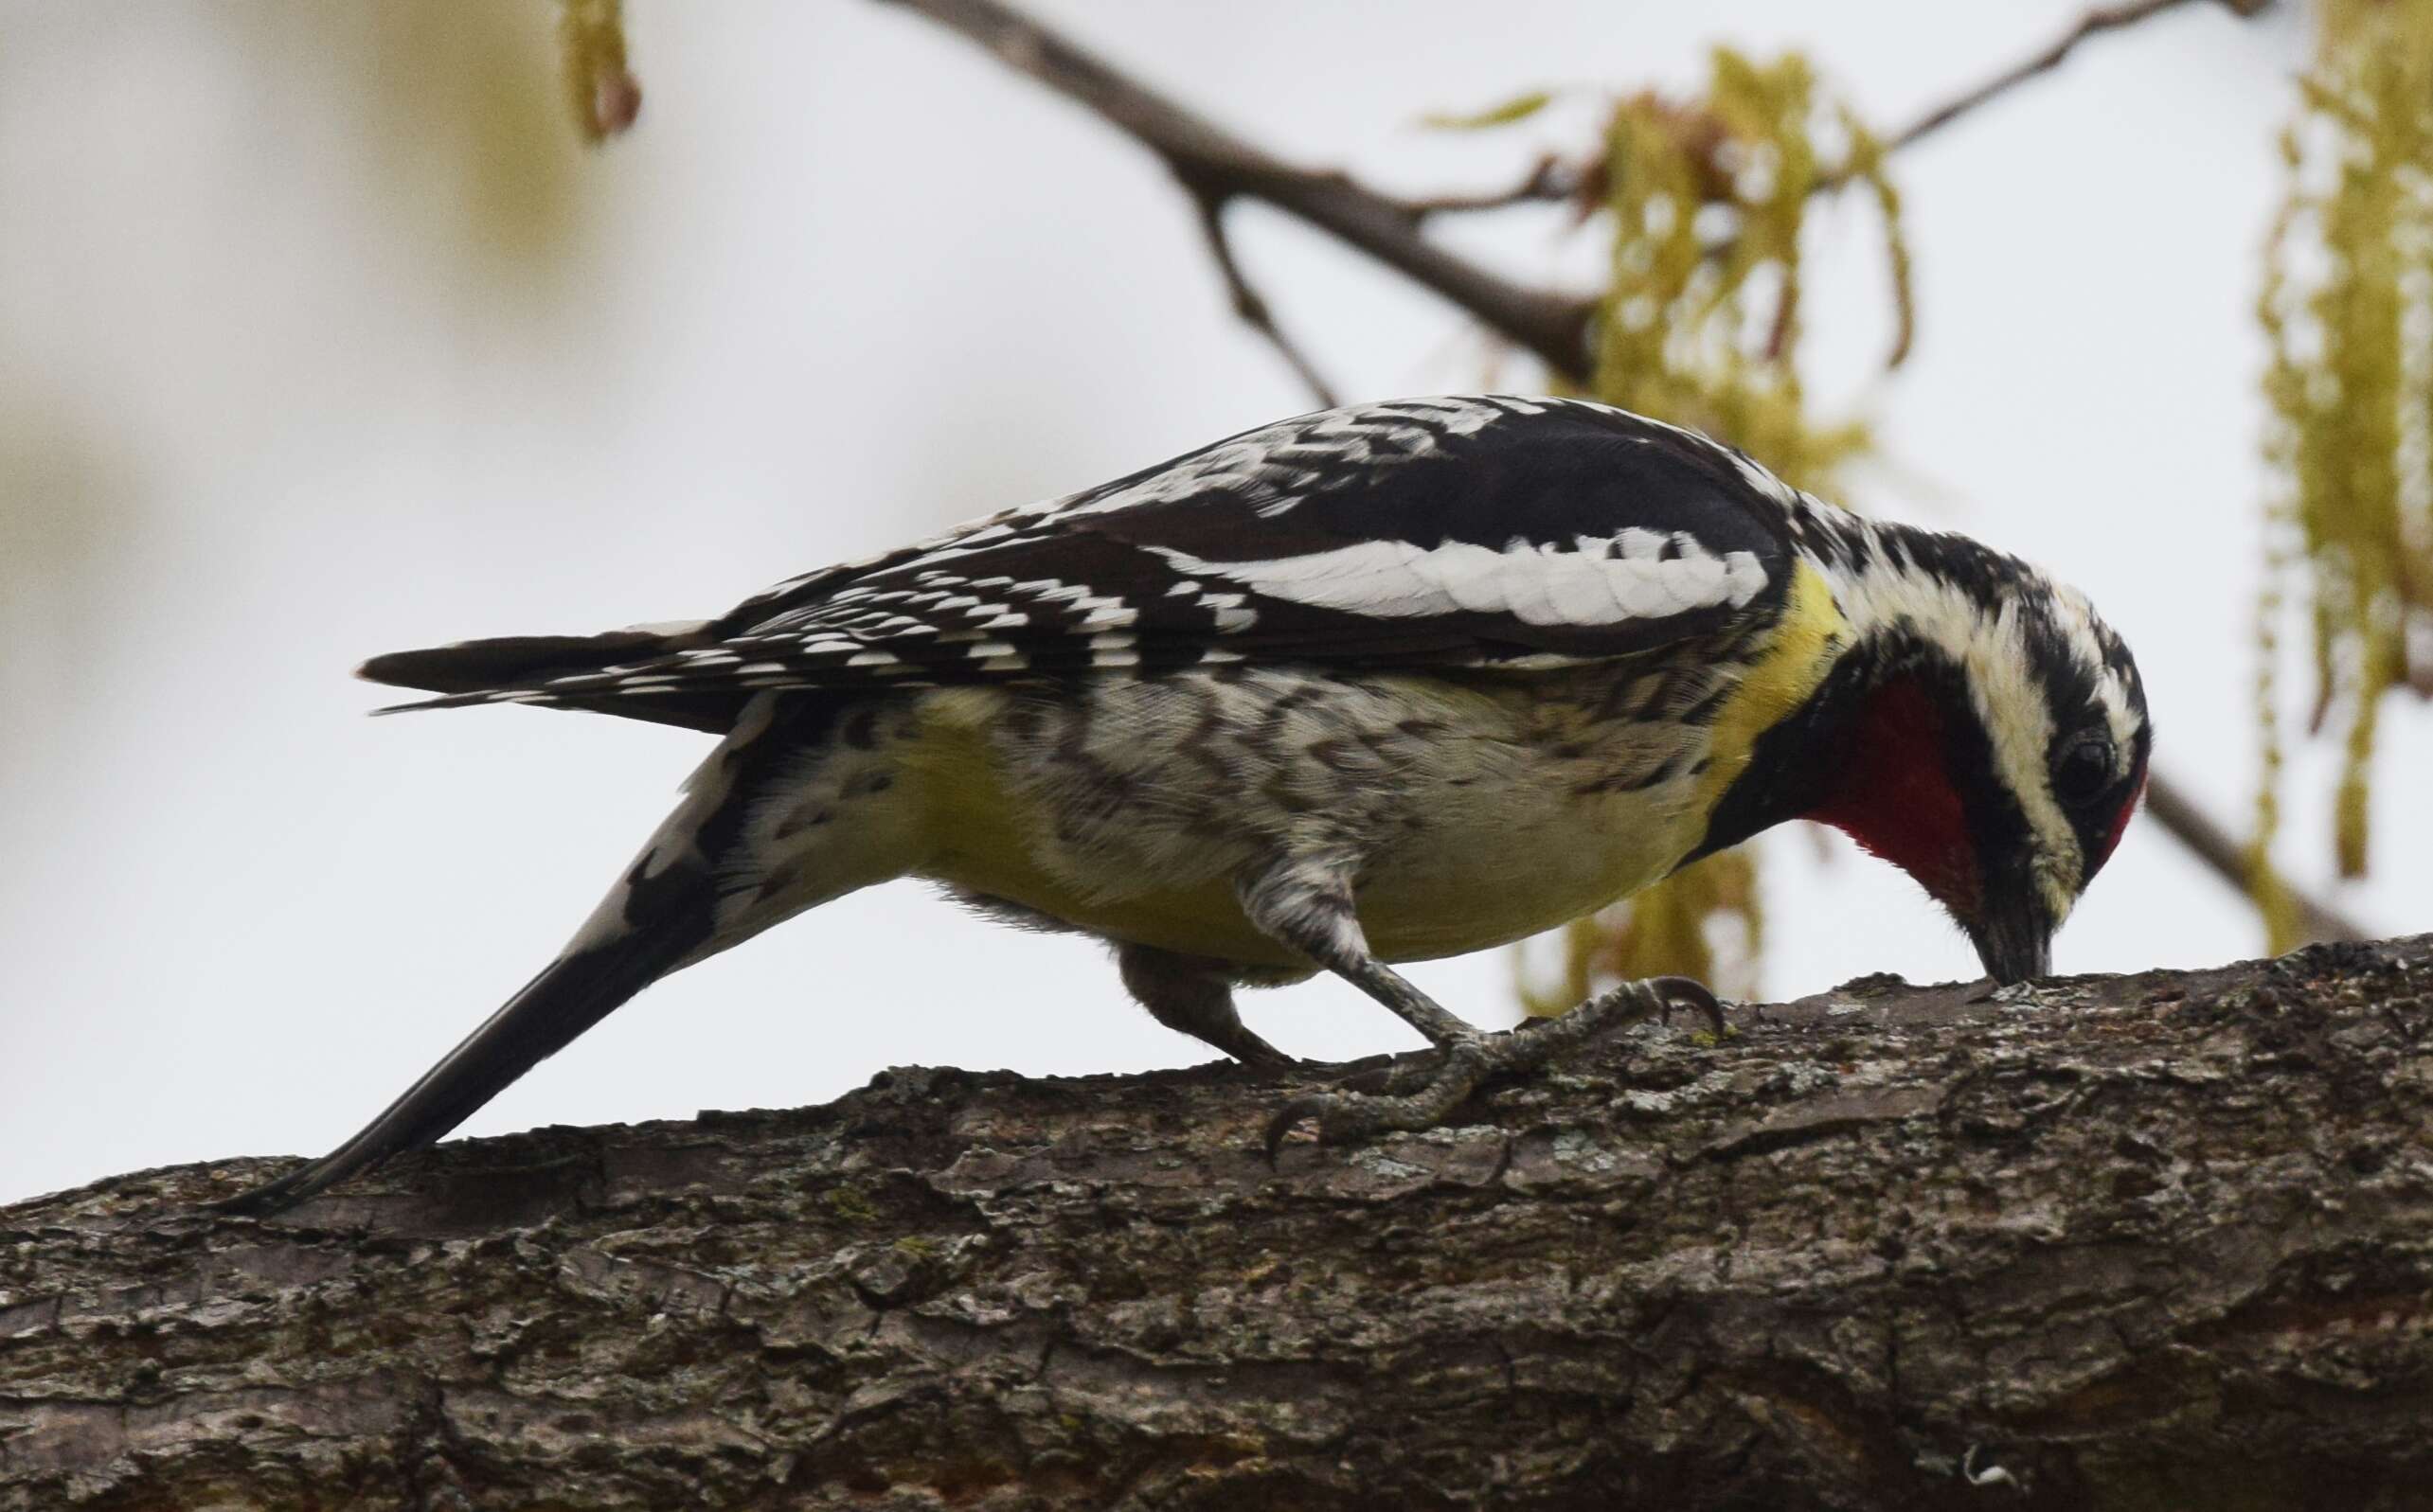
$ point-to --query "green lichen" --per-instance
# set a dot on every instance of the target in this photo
(852, 1205)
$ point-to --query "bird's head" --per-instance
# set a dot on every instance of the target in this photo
(1994, 738)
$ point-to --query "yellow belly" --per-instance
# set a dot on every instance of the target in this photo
(1468, 889)
(1498, 857)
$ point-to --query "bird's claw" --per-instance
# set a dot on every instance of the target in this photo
(1343, 1115)
(1679, 992)
(1346, 1114)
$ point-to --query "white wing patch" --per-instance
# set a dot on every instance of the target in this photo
(1593, 581)
(1272, 465)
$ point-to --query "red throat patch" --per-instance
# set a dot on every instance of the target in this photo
(2119, 823)
(1895, 795)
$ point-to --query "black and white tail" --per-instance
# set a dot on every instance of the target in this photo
(518, 661)
(572, 993)
(665, 913)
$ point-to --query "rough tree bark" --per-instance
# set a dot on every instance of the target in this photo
(2118, 1242)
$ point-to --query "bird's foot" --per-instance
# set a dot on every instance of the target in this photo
(1258, 1055)
(1390, 1077)
(1468, 1062)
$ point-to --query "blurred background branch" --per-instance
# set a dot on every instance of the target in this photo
(1214, 163)
(2095, 23)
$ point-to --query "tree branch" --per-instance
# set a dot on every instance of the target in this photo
(1210, 160)
(1247, 302)
(1550, 180)
(1554, 181)
(2101, 19)
(2170, 805)
(1553, 328)
(2164, 1240)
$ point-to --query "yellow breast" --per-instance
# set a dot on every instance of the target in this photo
(1493, 839)
(1793, 663)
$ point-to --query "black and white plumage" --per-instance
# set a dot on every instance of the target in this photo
(1455, 532)
(1370, 685)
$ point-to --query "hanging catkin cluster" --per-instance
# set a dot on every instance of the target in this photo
(1700, 325)
(1707, 200)
(2348, 309)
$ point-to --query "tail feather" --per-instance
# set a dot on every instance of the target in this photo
(664, 913)
(471, 667)
(468, 672)
(574, 992)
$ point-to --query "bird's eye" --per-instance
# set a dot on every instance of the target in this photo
(2083, 772)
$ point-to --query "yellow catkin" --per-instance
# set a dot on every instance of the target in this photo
(2347, 312)
(1700, 325)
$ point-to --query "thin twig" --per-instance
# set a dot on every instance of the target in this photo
(1247, 301)
(2101, 19)
(1553, 179)
(1552, 328)
(1550, 180)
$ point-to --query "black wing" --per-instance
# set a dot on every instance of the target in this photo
(1444, 532)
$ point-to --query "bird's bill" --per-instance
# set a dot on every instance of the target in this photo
(2014, 941)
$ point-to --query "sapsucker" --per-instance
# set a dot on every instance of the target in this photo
(1373, 684)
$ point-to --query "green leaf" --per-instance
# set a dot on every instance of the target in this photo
(1518, 108)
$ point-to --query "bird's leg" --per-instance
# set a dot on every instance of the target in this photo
(1307, 905)
(1192, 995)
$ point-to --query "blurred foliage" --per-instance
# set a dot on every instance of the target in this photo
(1673, 928)
(1518, 108)
(2347, 307)
(1701, 322)
(600, 90)
(63, 494)
(1700, 325)
(457, 104)
(424, 138)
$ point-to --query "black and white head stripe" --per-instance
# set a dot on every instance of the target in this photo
(2053, 687)
(1441, 532)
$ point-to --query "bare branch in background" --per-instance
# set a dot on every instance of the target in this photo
(2103, 19)
(1554, 328)
(2214, 845)
(1551, 327)
(1247, 302)
(1550, 179)
(1553, 179)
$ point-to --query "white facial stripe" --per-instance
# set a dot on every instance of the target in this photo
(1538, 585)
(2077, 618)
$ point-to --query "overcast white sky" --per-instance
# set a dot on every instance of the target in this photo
(262, 413)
